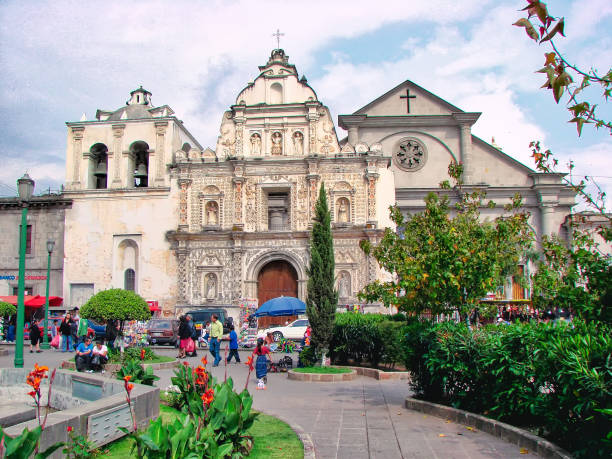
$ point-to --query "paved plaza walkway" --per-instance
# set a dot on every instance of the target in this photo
(364, 418)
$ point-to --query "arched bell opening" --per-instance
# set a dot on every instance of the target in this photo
(98, 166)
(140, 156)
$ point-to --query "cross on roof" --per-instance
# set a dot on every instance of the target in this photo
(408, 97)
(278, 34)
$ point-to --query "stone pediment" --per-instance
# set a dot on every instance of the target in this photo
(408, 95)
(209, 261)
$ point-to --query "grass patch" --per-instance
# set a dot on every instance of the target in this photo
(272, 438)
(323, 370)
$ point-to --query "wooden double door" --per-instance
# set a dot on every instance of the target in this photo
(277, 278)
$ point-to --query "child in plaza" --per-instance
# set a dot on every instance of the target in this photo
(261, 363)
(35, 335)
(233, 345)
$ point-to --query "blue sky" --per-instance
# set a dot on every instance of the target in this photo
(64, 58)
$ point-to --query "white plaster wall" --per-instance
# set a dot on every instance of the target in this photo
(91, 226)
(385, 197)
(423, 104)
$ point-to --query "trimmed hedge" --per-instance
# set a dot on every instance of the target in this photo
(555, 379)
(368, 338)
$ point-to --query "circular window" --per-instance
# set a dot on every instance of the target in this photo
(410, 154)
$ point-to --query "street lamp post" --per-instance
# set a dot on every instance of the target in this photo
(25, 188)
(45, 343)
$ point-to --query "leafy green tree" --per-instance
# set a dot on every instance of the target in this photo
(561, 75)
(7, 309)
(578, 278)
(116, 304)
(322, 298)
(442, 262)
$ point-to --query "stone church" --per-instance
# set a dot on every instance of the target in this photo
(155, 212)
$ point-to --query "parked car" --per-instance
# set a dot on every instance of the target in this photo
(163, 331)
(97, 329)
(294, 330)
(201, 316)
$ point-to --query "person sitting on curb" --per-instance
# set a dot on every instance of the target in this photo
(83, 356)
(99, 356)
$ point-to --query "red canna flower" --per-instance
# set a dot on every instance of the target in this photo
(204, 361)
(69, 429)
(249, 363)
(208, 396)
(142, 354)
(127, 378)
(129, 387)
(186, 364)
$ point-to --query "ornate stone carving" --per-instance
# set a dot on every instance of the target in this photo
(277, 143)
(255, 144)
(212, 213)
(343, 212)
(344, 285)
(211, 286)
(228, 136)
(298, 143)
(184, 186)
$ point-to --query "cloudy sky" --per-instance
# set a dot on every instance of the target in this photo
(60, 59)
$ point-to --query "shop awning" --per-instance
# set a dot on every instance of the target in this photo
(33, 301)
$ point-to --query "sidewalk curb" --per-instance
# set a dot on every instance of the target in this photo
(507, 432)
(305, 438)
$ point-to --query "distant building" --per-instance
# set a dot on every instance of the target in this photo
(46, 217)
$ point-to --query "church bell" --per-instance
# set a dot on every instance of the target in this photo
(141, 171)
(100, 170)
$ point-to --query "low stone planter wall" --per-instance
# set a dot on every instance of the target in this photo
(507, 432)
(115, 367)
(321, 377)
(380, 374)
(102, 407)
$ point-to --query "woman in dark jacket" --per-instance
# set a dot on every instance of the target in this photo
(184, 334)
(66, 332)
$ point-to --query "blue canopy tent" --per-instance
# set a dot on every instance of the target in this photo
(282, 306)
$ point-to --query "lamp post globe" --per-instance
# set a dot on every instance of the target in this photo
(25, 188)
(45, 343)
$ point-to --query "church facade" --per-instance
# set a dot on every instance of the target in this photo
(190, 227)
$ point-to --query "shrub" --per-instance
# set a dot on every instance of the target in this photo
(307, 356)
(130, 353)
(7, 309)
(556, 378)
(357, 337)
(138, 373)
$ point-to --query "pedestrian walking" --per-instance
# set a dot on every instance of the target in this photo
(216, 332)
(233, 345)
(184, 336)
(262, 354)
(66, 332)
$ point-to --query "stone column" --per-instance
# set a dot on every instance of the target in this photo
(547, 211)
(312, 118)
(117, 154)
(182, 254)
(160, 137)
(465, 121)
(77, 154)
(313, 194)
(353, 135)
(238, 221)
(183, 214)
(465, 135)
(371, 178)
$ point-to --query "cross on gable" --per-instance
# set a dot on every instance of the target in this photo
(278, 34)
(408, 97)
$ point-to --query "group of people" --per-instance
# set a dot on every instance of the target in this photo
(213, 334)
(91, 358)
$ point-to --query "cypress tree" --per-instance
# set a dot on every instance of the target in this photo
(322, 296)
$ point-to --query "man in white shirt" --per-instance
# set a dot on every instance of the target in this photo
(99, 356)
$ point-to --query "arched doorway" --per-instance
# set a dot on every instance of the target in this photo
(276, 278)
